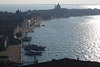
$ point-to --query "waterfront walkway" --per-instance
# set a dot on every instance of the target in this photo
(14, 52)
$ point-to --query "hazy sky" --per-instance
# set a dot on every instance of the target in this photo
(49, 1)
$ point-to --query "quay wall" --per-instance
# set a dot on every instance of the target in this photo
(25, 31)
(14, 52)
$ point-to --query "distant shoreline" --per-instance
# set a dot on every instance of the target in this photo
(22, 7)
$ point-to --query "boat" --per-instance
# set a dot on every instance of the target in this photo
(40, 25)
(32, 52)
(32, 31)
(34, 47)
(27, 39)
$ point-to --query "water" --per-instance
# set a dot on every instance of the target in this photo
(74, 37)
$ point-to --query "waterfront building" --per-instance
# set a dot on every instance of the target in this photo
(3, 42)
(18, 18)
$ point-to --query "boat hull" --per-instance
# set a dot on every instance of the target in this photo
(30, 53)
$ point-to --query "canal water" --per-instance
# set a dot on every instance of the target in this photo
(73, 37)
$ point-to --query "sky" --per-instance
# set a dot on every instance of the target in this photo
(49, 1)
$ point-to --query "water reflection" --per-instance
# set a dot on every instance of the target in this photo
(74, 37)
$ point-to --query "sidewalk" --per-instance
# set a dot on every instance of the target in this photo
(14, 52)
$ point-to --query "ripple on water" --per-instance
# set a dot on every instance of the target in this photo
(74, 37)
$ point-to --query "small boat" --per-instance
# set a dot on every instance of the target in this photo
(27, 38)
(42, 25)
(34, 47)
(32, 52)
(32, 31)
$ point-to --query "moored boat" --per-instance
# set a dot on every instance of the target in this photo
(27, 38)
(34, 47)
(32, 52)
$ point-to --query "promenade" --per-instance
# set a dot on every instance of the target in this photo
(14, 52)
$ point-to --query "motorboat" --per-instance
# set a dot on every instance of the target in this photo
(34, 47)
(32, 52)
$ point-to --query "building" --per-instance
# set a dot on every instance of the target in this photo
(3, 42)
(57, 6)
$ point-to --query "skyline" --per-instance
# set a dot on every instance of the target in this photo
(49, 1)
